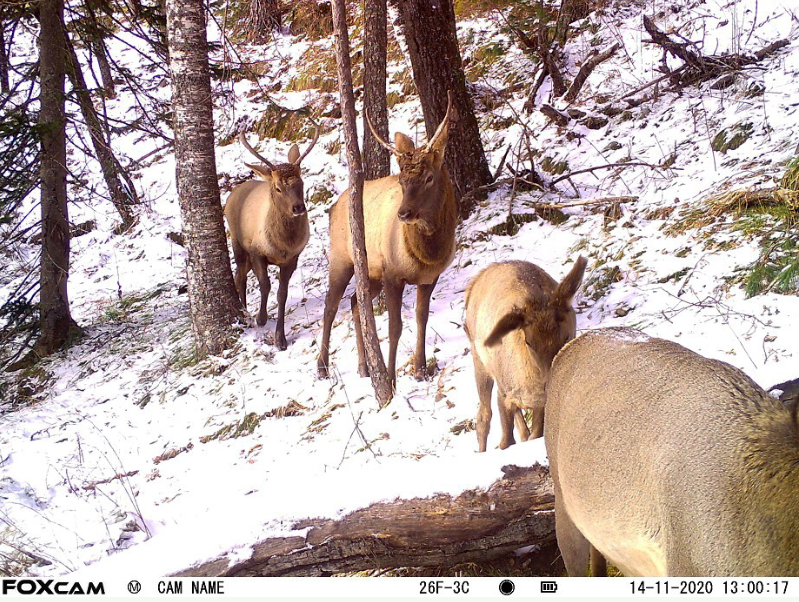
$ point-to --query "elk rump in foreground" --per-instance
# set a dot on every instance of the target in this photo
(409, 226)
(517, 319)
(268, 225)
(667, 463)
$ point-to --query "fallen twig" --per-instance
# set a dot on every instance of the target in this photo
(587, 68)
(608, 166)
(583, 202)
(93, 486)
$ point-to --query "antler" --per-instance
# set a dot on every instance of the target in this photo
(246, 144)
(382, 142)
(315, 138)
(444, 122)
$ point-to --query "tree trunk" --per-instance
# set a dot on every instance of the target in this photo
(375, 158)
(570, 11)
(123, 193)
(212, 295)
(439, 531)
(264, 18)
(4, 82)
(100, 53)
(96, 44)
(429, 30)
(54, 301)
(374, 358)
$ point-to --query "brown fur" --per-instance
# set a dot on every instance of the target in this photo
(409, 222)
(668, 463)
(517, 318)
(268, 225)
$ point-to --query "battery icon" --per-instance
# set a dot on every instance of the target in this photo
(549, 587)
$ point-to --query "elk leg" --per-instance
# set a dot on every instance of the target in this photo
(537, 428)
(374, 290)
(242, 259)
(339, 279)
(521, 425)
(394, 290)
(599, 565)
(484, 386)
(282, 294)
(423, 292)
(507, 412)
(259, 265)
(574, 547)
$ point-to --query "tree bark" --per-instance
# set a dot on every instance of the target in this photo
(4, 82)
(213, 300)
(120, 186)
(429, 30)
(439, 531)
(374, 358)
(376, 159)
(570, 11)
(55, 318)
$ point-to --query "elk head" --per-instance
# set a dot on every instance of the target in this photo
(284, 179)
(421, 172)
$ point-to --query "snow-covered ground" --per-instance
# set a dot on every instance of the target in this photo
(130, 399)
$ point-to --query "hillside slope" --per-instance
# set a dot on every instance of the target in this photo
(219, 452)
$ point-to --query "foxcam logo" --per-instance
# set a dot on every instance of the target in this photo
(38, 587)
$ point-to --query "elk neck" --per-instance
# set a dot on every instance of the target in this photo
(436, 245)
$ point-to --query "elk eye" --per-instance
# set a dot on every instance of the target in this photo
(429, 179)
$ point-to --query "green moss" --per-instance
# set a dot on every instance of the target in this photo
(601, 280)
(321, 196)
(731, 138)
(238, 429)
(550, 165)
(482, 59)
(790, 180)
(283, 124)
(121, 310)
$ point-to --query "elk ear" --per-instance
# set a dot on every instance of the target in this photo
(294, 154)
(261, 170)
(403, 143)
(511, 321)
(566, 290)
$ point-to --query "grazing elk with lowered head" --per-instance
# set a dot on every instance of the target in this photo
(268, 225)
(517, 319)
(668, 463)
(409, 225)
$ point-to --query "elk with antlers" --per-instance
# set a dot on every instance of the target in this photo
(409, 225)
(269, 226)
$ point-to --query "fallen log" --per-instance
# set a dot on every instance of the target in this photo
(476, 526)
(699, 68)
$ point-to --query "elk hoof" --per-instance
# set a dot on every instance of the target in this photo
(260, 319)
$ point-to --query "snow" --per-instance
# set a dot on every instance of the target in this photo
(131, 390)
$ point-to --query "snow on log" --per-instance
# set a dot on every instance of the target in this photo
(476, 526)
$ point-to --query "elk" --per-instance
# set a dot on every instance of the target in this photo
(667, 463)
(517, 319)
(409, 226)
(268, 225)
